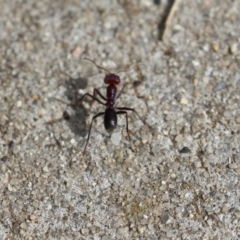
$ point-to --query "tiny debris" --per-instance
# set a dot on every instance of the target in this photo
(4, 158)
(66, 115)
(185, 150)
(11, 144)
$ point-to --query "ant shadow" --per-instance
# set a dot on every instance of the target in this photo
(77, 120)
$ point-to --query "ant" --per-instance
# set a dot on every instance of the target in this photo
(111, 111)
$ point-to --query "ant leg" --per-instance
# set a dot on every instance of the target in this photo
(93, 97)
(96, 91)
(51, 122)
(121, 91)
(126, 115)
(89, 131)
(133, 110)
(79, 100)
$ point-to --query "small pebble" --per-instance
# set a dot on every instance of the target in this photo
(184, 101)
(77, 52)
(10, 189)
(105, 238)
(187, 195)
(219, 86)
(215, 47)
(151, 103)
(237, 170)
(116, 138)
(185, 150)
(45, 168)
(205, 47)
(33, 218)
(5, 203)
(237, 119)
(84, 231)
(227, 113)
(66, 115)
(205, 79)
(141, 229)
(4, 158)
(19, 103)
(195, 63)
(179, 138)
(122, 231)
(191, 216)
(65, 135)
(197, 164)
(165, 217)
(23, 225)
(224, 209)
(195, 81)
(234, 48)
(42, 112)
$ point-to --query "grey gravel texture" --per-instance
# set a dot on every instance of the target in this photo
(182, 181)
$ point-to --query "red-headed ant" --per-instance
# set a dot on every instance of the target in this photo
(110, 114)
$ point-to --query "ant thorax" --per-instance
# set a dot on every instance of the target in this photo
(111, 95)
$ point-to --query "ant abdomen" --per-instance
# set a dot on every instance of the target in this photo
(110, 120)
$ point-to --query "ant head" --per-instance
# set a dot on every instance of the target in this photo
(112, 78)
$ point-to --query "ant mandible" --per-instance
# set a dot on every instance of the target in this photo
(110, 114)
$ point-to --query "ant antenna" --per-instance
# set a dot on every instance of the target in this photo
(128, 69)
(97, 65)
